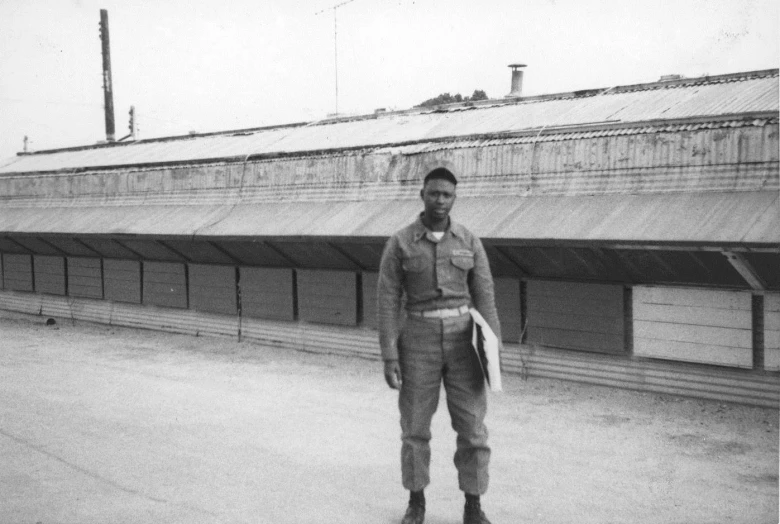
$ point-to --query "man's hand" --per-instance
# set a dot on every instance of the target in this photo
(393, 374)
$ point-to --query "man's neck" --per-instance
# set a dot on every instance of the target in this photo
(435, 225)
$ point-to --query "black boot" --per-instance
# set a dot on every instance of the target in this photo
(472, 512)
(415, 513)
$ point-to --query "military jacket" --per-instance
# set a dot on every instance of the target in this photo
(423, 273)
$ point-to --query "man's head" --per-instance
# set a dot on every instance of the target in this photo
(438, 194)
(441, 173)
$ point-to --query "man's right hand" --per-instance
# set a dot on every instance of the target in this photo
(393, 374)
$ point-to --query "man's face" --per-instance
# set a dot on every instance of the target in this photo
(438, 196)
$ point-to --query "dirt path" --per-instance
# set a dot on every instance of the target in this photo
(101, 424)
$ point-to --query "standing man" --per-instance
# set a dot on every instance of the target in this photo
(441, 269)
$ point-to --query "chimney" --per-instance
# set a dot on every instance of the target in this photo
(108, 93)
(517, 80)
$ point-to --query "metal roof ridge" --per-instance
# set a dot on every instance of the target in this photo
(699, 80)
(108, 145)
(540, 132)
(445, 108)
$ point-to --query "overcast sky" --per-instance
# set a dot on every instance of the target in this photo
(207, 65)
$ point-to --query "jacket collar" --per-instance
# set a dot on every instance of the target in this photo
(420, 230)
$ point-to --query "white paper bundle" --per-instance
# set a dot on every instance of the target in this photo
(485, 344)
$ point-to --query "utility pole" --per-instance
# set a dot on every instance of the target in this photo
(336, 43)
(108, 94)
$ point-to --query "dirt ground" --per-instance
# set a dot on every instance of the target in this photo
(101, 424)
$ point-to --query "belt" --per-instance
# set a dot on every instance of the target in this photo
(441, 313)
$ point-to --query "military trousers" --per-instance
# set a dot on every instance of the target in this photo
(433, 351)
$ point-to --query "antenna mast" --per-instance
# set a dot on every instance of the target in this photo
(336, 43)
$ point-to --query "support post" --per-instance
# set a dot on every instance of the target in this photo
(743, 266)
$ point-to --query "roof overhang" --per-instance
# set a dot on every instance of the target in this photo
(716, 219)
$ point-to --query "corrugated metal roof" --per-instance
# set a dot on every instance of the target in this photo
(745, 217)
(707, 98)
(427, 147)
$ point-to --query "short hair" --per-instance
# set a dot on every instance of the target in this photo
(441, 173)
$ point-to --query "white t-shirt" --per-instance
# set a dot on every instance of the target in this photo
(438, 235)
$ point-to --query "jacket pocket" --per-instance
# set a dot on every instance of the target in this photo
(413, 264)
(464, 263)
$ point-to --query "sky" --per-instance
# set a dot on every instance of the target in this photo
(206, 65)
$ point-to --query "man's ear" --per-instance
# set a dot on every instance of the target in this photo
(422, 193)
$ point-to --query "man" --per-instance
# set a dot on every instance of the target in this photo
(441, 269)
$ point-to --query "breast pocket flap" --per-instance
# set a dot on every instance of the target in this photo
(413, 264)
(464, 263)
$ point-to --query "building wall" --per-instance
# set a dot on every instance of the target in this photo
(122, 280)
(708, 326)
(85, 277)
(328, 297)
(694, 325)
(571, 315)
(369, 283)
(17, 272)
(725, 159)
(772, 332)
(165, 284)
(49, 274)
(267, 293)
(213, 288)
(507, 291)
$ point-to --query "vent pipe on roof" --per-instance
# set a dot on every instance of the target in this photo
(517, 80)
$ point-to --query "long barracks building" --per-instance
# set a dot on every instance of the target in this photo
(634, 232)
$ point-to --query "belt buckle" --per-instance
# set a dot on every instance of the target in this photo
(443, 312)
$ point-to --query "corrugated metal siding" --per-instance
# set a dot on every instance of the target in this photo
(772, 331)
(663, 102)
(693, 325)
(328, 297)
(579, 316)
(164, 284)
(17, 272)
(314, 338)
(85, 277)
(719, 384)
(213, 288)
(49, 274)
(369, 285)
(122, 280)
(267, 293)
(733, 159)
(507, 292)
